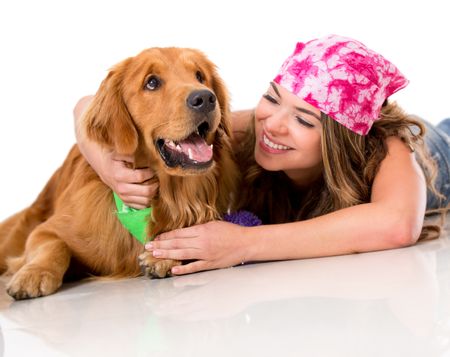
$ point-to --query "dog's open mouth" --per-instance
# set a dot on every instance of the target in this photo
(193, 152)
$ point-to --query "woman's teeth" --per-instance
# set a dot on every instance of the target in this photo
(273, 145)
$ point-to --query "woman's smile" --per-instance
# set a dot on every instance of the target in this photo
(270, 146)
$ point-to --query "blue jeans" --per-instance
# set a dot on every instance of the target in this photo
(437, 139)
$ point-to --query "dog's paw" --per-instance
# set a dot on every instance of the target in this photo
(32, 281)
(156, 268)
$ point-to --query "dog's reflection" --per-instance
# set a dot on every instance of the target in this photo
(306, 302)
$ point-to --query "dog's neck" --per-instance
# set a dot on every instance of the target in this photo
(183, 201)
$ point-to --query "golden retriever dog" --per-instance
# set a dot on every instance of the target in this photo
(169, 108)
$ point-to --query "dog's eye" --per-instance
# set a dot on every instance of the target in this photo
(199, 76)
(153, 83)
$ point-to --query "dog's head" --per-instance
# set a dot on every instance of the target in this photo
(166, 105)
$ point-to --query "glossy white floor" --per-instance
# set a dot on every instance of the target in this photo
(391, 303)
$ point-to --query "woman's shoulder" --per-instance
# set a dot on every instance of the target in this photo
(240, 121)
(396, 146)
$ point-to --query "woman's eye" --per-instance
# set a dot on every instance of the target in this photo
(304, 122)
(270, 98)
(153, 83)
(199, 76)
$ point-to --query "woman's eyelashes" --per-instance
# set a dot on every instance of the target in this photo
(304, 122)
(270, 98)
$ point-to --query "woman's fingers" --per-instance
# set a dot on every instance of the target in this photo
(177, 254)
(209, 244)
(121, 168)
(129, 189)
(176, 243)
(134, 195)
(135, 202)
(126, 174)
(189, 232)
(134, 187)
(193, 267)
(179, 249)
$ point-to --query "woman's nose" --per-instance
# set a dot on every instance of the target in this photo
(277, 123)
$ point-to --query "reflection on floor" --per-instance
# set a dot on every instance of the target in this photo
(390, 303)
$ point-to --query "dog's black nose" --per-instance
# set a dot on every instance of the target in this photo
(203, 101)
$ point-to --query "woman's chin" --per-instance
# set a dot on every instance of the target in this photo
(266, 162)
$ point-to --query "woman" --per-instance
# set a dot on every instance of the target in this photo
(330, 166)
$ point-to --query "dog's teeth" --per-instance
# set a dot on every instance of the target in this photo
(211, 146)
(178, 147)
(190, 153)
(171, 143)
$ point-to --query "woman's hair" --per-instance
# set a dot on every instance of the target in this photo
(350, 163)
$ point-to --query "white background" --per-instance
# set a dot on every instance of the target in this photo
(54, 52)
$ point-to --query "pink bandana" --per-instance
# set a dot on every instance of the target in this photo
(342, 78)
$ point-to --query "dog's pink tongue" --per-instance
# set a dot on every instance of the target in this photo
(196, 148)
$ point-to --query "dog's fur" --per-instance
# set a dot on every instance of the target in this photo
(72, 226)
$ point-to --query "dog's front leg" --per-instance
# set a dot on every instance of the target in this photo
(46, 259)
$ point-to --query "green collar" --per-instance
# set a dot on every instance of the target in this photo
(134, 220)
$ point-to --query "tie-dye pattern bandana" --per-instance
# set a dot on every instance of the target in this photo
(342, 78)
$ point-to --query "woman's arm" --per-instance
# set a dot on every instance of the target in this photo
(392, 219)
(112, 168)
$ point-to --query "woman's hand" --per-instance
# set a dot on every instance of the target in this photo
(212, 245)
(134, 186)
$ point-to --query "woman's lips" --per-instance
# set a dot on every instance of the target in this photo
(269, 146)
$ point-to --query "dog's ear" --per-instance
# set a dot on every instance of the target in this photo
(107, 119)
(223, 99)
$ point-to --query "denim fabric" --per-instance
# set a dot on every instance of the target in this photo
(437, 139)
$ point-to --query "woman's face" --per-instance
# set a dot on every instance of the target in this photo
(288, 135)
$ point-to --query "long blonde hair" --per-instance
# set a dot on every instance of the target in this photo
(350, 163)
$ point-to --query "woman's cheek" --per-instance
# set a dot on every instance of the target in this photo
(262, 110)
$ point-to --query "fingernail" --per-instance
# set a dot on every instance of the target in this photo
(149, 246)
(175, 270)
(156, 253)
